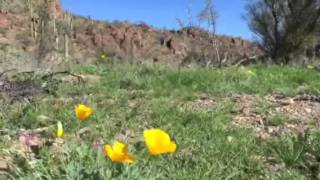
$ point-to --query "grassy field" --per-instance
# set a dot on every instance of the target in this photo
(128, 99)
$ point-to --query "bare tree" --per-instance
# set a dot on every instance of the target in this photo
(209, 15)
(283, 28)
(180, 23)
(189, 22)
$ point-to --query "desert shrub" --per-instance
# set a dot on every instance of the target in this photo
(284, 28)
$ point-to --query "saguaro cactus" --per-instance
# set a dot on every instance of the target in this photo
(29, 5)
(66, 47)
(46, 28)
(68, 27)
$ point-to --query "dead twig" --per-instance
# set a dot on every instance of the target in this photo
(25, 74)
(244, 60)
(80, 78)
(35, 131)
(6, 71)
(20, 132)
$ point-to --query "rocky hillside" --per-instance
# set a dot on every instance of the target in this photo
(45, 36)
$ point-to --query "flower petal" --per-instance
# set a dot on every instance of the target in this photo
(129, 159)
(120, 148)
(158, 142)
(173, 148)
(118, 153)
(59, 130)
(107, 149)
(82, 111)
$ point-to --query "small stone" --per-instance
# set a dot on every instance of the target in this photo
(270, 130)
(4, 165)
(308, 110)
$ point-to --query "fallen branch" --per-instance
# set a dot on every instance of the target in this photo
(34, 131)
(244, 60)
(6, 71)
(80, 78)
(23, 131)
(46, 76)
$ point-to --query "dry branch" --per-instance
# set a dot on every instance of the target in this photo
(80, 79)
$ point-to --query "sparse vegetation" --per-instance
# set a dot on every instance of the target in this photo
(130, 98)
(277, 120)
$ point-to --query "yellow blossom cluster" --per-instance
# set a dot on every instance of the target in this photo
(157, 141)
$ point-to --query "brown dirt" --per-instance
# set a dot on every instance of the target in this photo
(204, 102)
(300, 113)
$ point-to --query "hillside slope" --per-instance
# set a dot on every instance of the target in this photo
(29, 28)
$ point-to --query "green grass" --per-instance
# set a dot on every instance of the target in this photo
(133, 98)
(277, 120)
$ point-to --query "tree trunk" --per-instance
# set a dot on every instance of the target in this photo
(275, 30)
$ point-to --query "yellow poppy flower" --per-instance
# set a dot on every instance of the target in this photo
(83, 111)
(59, 130)
(158, 142)
(118, 153)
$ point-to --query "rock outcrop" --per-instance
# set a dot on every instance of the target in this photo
(143, 42)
